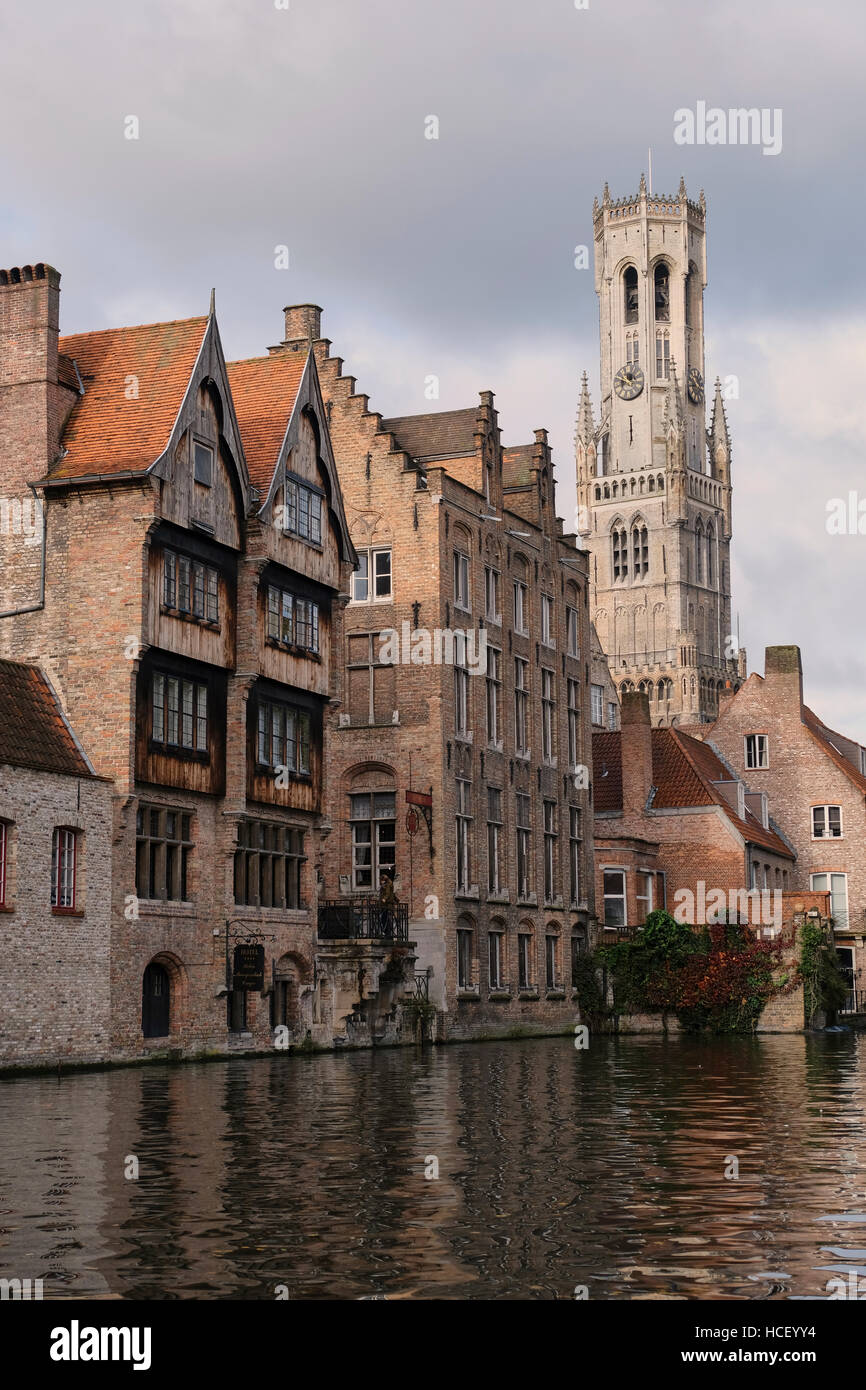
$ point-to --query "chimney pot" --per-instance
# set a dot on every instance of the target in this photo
(303, 321)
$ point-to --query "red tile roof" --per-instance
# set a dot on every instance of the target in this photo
(684, 771)
(264, 390)
(33, 730)
(106, 431)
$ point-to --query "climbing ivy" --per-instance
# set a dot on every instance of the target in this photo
(824, 985)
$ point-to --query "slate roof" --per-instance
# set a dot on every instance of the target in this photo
(442, 434)
(683, 774)
(264, 390)
(33, 730)
(107, 432)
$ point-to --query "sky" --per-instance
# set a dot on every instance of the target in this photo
(264, 124)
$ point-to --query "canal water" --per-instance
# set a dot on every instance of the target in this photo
(695, 1168)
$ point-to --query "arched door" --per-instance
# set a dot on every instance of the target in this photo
(155, 1001)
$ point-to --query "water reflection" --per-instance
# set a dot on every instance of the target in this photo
(558, 1169)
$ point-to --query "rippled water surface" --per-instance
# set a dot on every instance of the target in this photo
(557, 1168)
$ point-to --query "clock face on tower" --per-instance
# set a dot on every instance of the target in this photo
(696, 386)
(628, 381)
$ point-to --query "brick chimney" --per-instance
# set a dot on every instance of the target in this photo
(637, 754)
(783, 672)
(302, 322)
(29, 324)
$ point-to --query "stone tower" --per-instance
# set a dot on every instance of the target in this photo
(653, 483)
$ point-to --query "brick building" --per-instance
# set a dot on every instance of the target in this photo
(55, 881)
(671, 816)
(181, 588)
(816, 781)
(476, 750)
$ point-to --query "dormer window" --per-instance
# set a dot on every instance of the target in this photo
(302, 514)
(203, 464)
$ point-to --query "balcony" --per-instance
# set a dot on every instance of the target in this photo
(362, 919)
(855, 1002)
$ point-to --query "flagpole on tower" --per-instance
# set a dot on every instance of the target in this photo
(650, 164)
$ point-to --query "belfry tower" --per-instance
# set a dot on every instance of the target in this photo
(653, 483)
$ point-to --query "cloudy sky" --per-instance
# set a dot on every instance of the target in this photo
(304, 126)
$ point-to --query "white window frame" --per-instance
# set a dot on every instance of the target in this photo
(64, 869)
(492, 610)
(462, 572)
(548, 635)
(615, 897)
(370, 576)
(596, 697)
(521, 607)
(752, 756)
(825, 810)
(572, 631)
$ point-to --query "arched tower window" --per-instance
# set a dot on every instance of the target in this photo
(711, 548)
(699, 551)
(619, 541)
(640, 550)
(630, 301)
(662, 286)
(663, 356)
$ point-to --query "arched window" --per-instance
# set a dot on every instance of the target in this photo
(640, 550)
(652, 484)
(619, 541)
(699, 551)
(630, 301)
(662, 285)
(598, 494)
(711, 551)
(614, 488)
(607, 491)
(661, 483)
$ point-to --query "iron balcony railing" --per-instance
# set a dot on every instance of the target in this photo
(855, 1002)
(362, 919)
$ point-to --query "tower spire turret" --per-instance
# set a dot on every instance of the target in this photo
(585, 424)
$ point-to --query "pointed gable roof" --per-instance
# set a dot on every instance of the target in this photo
(108, 432)
(822, 736)
(264, 390)
(34, 732)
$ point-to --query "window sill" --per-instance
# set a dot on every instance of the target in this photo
(555, 903)
(67, 912)
(464, 737)
(466, 996)
(496, 745)
(493, 620)
(531, 900)
(551, 762)
(471, 894)
(293, 649)
(502, 898)
(500, 996)
(523, 755)
(5, 907)
(527, 994)
(264, 770)
(183, 617)
(555, 994)
(173, 750)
